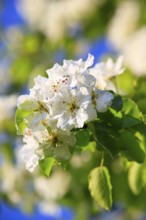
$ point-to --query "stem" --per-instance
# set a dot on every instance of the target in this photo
(102, 160)
(116, 84)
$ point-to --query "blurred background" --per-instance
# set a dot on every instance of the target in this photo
(35, 34)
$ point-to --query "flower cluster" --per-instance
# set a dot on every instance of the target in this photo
(50, 18)
(56, 106)
(128, 36)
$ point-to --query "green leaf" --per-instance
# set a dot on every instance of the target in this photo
(21, 68)
(126, 82)
(47, 164)
(117, 103)
(141, 130)
(29, 105)
(135, 178)
(111, 117)
(91, 146)
(100, 187)
(133, 146)
(20, 121)
(62, 153)
(127, 117)
(131, 114)
(82, 137)
(106, 138)
(142, 104)
(129, 121)
(143, 175)
(31, 44)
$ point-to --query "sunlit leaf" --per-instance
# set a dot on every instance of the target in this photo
(47, 164)
(20, 121)
(21, 69)
(62, 153)
(100, 187)
(132, 146)
(106, 138)
(91, 146)
(131, 114)
(126, 82)
(135, 178)
(29, 105)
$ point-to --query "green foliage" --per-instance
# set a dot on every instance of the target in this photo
(132, 146)
(62, 153)
(105, 137)
(83, 137)
(31, 44)
(100, 187)
(120, 131)
(47, 164)
(135, 178)
(21, 69)
(29, 105)
(126, 82)
(131, 114)
(20, 121)
(91, 146)
(120, 127)
(117, 103)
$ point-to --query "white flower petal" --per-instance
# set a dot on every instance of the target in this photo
(104, 100)
(90, 60)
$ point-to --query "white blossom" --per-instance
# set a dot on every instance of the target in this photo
(48, 188)
(49, 191)
(8, 175)
(40, 144)
(71, 110)
(7, 106)
(50, 17)
(123, 23)
(31, 152)
(135, 52)
(65, 100)
(103, 100)
(71, 74)
(104, 71)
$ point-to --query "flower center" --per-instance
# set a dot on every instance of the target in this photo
(94, 97)
(72, 107)
(28, 132)
(60, 82)
(42, 107)
(55, 140)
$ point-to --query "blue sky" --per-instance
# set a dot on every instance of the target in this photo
(9, 14)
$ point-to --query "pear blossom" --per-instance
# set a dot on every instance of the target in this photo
(40, 144)
(72, 109)
(103, 100)
(56, 105)
(73, 74)
(51, 19)
(135, 52)
(105, 70)
(123, 23)
(48, 188)
(58, 144)
(30, 152)
(79, 66)
(7, 106)
(49, 192)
